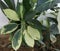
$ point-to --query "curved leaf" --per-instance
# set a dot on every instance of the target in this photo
(33, 32)
(9, 28)
(11, 14)
(29, 41)
(17, 40)
(43, 5)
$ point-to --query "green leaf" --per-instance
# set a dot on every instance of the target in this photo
(43, 5)
(10, 3)
(29, 41)
(9, 28)
(27, 5)
(30, 15)
(21, 11)
(17, 40)
(11, 14)
(20, 8)
(3, 5)
(34, 1)
(33, 4)
(33, 32)
(13, 3)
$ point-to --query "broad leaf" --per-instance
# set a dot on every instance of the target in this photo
(33, 32)
(17, 40)
(11, 14)
(9, 28)
(30, 15)
(29, 41)
(43, 5)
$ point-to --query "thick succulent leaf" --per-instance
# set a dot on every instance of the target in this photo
(29, 41)
(33, 32)
(11, 14)
(17, 40)
(53, 38)
(43, 5)
(58, 19)
(9, 28)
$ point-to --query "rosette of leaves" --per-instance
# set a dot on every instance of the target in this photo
(23, 20)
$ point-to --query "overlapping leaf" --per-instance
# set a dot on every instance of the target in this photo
(9, 28)
(29, 41)
(33, 32)
(17, 40)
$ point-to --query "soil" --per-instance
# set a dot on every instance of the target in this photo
(4, 42)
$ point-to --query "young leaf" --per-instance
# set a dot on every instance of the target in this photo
(9, 28)
(11, 14)
(17, 40)
(33, 32)
(29, 41)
